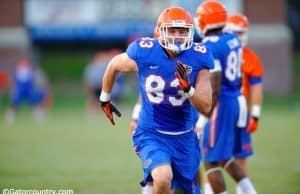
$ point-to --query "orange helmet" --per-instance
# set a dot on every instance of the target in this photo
(210, 15)
(239, 24)
(175, 17)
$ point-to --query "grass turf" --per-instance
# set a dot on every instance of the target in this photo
(68, 152)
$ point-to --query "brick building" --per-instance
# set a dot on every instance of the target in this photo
(270, 37)
(14, 41)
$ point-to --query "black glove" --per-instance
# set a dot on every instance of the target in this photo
(108, 109)
(182, 75)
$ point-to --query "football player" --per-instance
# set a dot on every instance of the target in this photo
(148, 188)
(252, 88)
(92, 77)
(229, 112)
(29, 85)
(173, 75)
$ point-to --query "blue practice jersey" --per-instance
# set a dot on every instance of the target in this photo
(24, 78)
(164, 106)
(227, 52)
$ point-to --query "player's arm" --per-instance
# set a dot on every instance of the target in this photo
(216, 78)
(202, 97)
(257, 94)
(256, 91)
(119, 63)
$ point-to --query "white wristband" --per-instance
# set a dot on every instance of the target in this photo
(201, 121)
(104, 97)
(255, 110)
(136, 111)
(191, 92)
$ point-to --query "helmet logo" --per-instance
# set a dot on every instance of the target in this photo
(178, 23)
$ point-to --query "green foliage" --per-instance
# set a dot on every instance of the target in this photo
(65, 65)
(296, 72)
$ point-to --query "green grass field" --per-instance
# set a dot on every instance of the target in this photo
(69, 153)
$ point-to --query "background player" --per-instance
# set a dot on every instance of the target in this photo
(29, 84)
(93, 75)
(168, 71)
(230, 110)
(252, 88)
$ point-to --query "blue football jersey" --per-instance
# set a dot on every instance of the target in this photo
(24, 77)
(227, 52)
(164, 105)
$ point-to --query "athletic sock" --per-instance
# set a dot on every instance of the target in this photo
(208, 189)
(147, 189)
(246, 186)
(238, 190)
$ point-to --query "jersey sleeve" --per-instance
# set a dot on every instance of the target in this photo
(255, 80)
(141, 51)
(218, 66)
(132, 50)
(206, 58)
(210, 43)
(253, 67)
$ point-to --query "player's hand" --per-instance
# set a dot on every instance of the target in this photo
(108, 109)
(252, 124)
(183, 77)
(132, 126)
